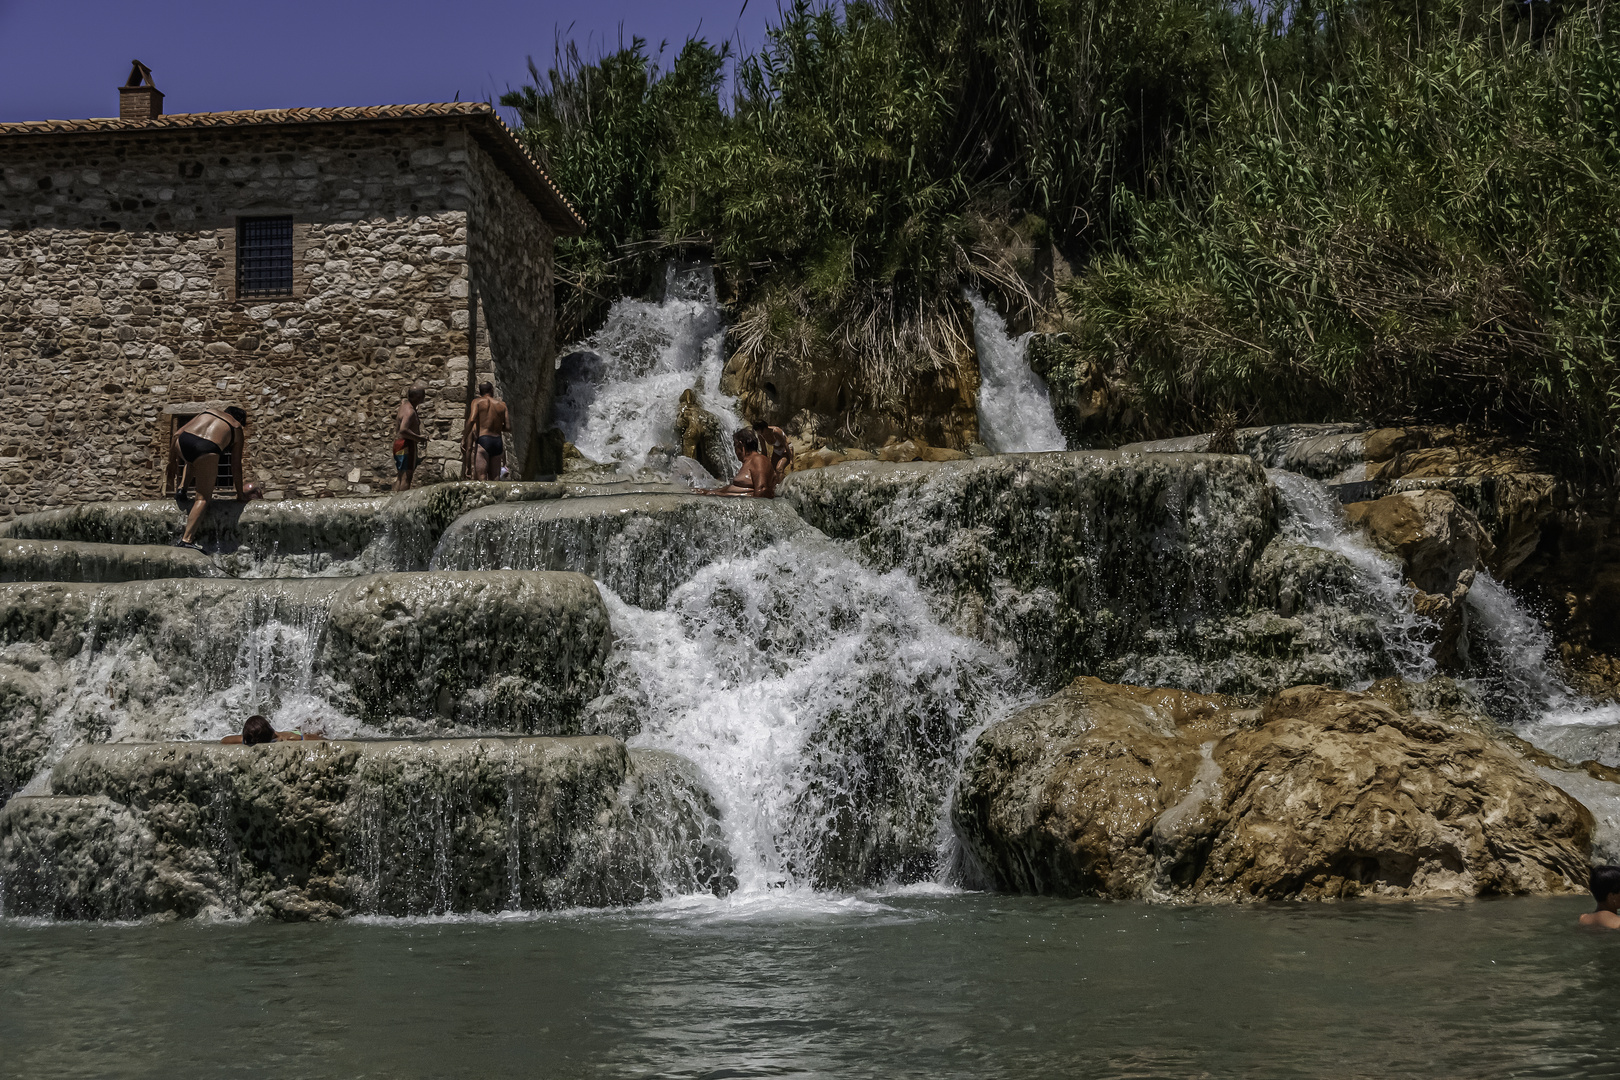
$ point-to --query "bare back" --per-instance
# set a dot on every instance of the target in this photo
(487, 417)
(216, 429)
(757, 476)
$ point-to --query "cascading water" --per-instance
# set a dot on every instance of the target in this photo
(142, 678)
(620, 387)
(1516, 675)
(1312, 517)
(826, 708)
(1518, 678)
(1015, 409)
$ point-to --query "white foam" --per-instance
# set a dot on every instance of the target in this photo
(619, 406)
(823, 704)
(1312, 516)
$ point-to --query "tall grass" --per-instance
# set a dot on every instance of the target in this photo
(1428, 234)
(1307, 209)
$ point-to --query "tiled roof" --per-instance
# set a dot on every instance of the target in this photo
(492, 134)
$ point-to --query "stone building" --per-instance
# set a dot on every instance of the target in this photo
(307, 264)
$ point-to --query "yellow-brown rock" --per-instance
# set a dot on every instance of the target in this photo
(898, 451)
(1384, 443)
(1127, 792)
(1442, 547)
(1437, 539)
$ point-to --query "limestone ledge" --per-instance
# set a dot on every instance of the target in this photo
(641, 545)
(1078, 562)
(403, 645)
(406, 654)
(289, 538)
(69, 560)
(325, 829)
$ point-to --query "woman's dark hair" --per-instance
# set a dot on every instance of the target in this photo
(257, 730)
(1605, 882)
(238, 412)
(749, 440)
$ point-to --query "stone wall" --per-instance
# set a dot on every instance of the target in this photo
(509, 249)
(118, 307)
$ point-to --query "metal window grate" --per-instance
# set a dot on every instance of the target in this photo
(264, 256)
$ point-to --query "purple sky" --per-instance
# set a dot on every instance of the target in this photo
(66, 58)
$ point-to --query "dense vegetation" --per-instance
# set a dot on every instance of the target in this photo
(1305, 211)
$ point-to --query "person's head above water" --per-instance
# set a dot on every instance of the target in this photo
(746, 439)
(1605, 883)
(257, 730)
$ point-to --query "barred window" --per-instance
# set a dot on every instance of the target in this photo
(264, 256)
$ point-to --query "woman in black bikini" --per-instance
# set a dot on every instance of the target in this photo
(200, 443)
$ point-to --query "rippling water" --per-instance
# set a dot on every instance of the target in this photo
(920, 984)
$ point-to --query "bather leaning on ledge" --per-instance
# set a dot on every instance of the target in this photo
(258, 730)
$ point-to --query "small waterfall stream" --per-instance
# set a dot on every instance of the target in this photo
(1015, 409)
(825, 706)
(619, 389)
(1312, 517)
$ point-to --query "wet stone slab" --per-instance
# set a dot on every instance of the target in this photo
(409, 654)
(641, 545)
(71, 560)
(289, 538)
(1077, 562)
(325, 829)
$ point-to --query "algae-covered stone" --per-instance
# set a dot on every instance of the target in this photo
(336, 529)
(641, 546)
(70, 560)
(1070, 561)
(26, 695)
(398, 653)
(1128, 792)
(497, 650)
(316, 830)
(288, 538)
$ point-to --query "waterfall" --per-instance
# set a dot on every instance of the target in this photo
(1015, 410)
(825, 707)
(1312, 517)
(1516, 674)
(619, 389)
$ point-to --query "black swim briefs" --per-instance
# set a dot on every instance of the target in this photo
(193, 447)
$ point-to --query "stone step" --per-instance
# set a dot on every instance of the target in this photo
(72, 560)
(409, 654)
(392, 827)
(1074, 562)
(643, 546)
(292, 537)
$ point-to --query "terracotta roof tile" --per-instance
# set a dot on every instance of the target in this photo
(492, 133)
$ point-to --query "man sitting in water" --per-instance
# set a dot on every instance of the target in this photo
(258, 730)
(756, 479)
(1606, 891)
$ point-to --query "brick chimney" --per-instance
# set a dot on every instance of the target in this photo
(138, 99)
